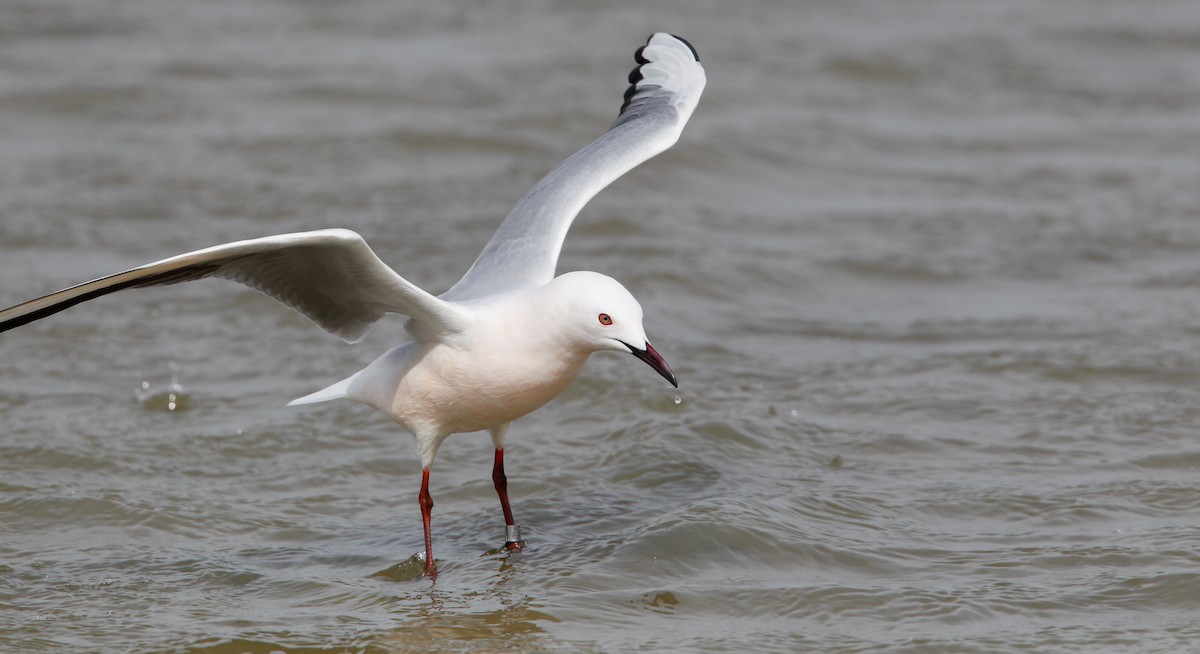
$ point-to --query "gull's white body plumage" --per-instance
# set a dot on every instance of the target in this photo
(505, 339)
(513, 365)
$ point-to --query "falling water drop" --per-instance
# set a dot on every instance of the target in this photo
(171, 398)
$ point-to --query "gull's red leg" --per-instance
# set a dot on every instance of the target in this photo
(426, 501)
(512, 538)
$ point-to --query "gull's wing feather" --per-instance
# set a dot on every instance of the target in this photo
(331, 276)
(524, 251)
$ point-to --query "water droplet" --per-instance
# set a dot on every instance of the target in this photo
(678, 400)
(172, 398)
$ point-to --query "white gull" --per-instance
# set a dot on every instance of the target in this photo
(505, 339)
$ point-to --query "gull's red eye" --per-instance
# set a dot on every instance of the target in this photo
(605, 319)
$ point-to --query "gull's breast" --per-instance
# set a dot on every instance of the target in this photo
(456, 390)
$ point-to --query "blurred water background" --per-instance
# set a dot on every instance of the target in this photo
(928, 271)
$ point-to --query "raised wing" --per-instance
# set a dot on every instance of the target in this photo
(331, 276)
(664, 90)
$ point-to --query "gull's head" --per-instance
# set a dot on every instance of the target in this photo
(602, 315)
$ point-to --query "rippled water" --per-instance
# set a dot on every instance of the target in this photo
(928, 273)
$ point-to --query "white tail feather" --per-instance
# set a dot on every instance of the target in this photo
(334, 392)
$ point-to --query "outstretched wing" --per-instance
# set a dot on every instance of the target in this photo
(331, 276)
(664, 90)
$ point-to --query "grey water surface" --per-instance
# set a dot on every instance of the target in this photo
(928, 272)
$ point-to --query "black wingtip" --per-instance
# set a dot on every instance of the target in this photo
(689, 45)
(635, 75)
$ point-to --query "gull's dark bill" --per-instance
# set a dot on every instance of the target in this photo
(655, 360)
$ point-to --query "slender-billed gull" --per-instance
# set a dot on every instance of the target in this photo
(505, 339)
